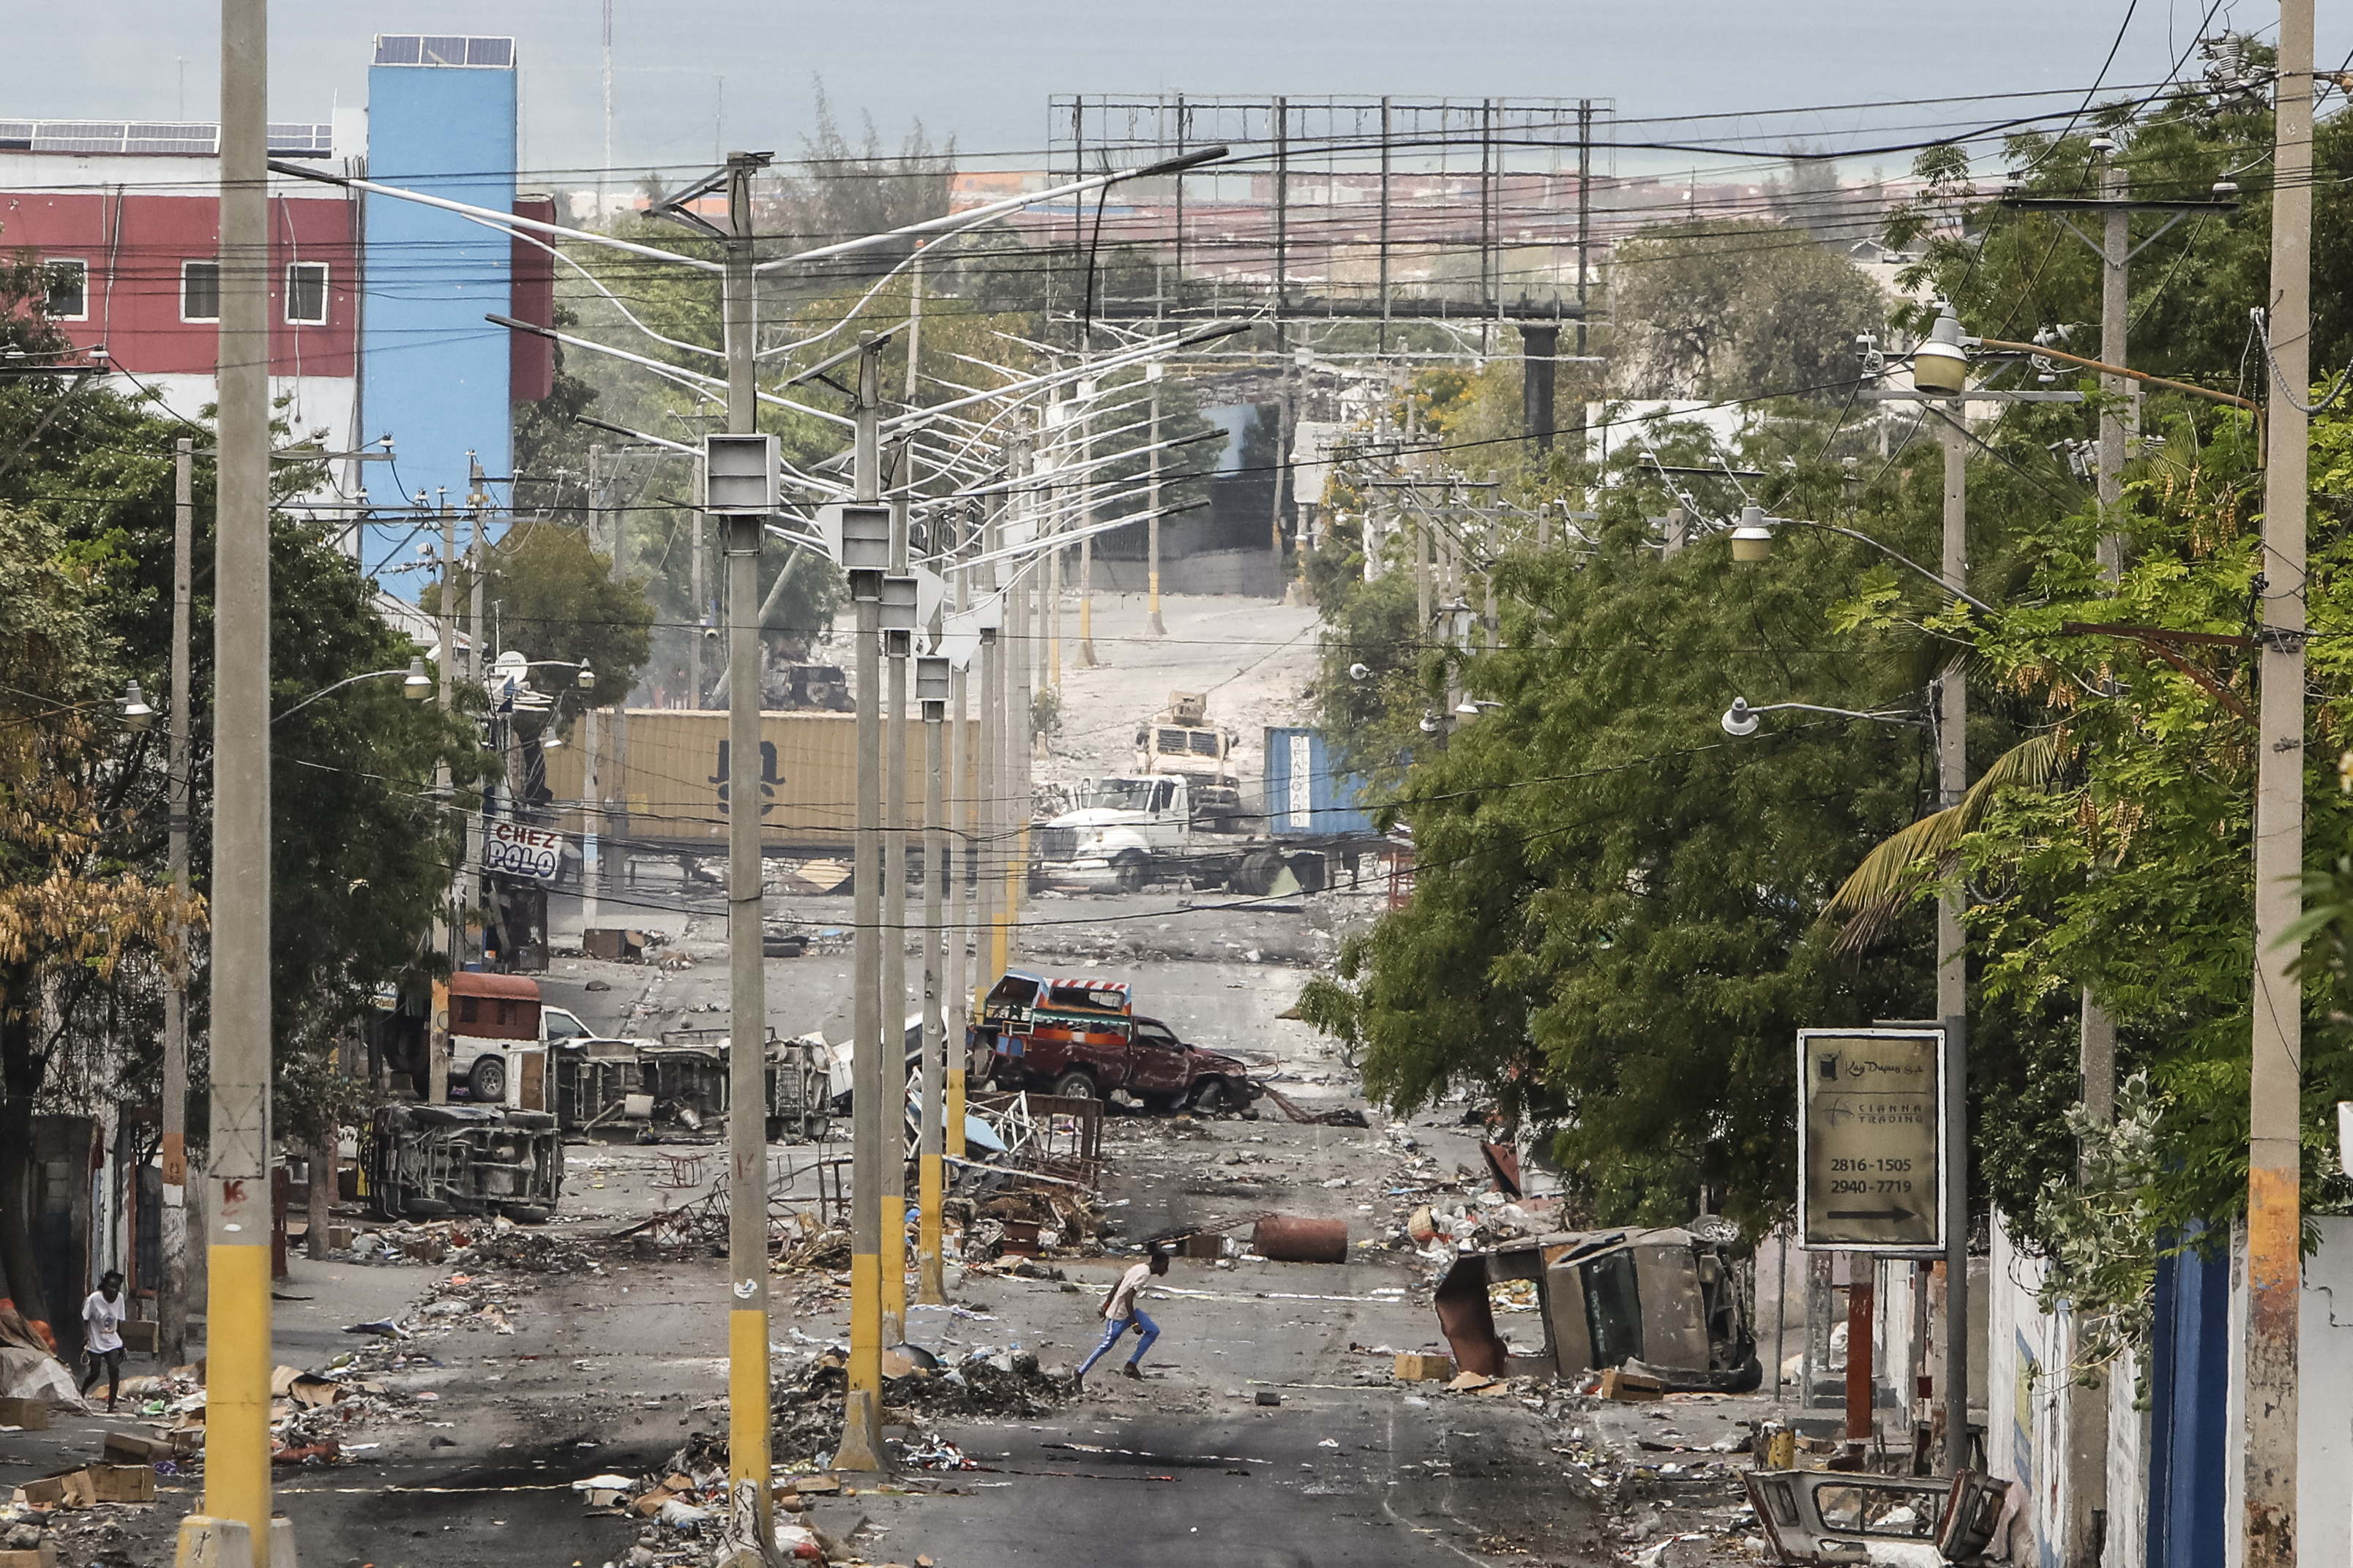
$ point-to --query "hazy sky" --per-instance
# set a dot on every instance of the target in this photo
(694, 74)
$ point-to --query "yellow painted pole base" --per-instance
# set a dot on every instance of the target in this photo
(747, 1425)
(860, 1450)
(238, 1365)
(895, 1269)
(930, 1275)
(954, 1128)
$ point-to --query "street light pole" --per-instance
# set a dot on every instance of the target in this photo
(237, 1349)
(1153, 374)
(861, 1433)
(898, 646)
(748, 1527)
(1952, 965)
(931, 684)
(172, 1299)
(2275, 1170)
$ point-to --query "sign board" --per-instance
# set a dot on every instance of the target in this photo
(1871, 1140)
(521, 851)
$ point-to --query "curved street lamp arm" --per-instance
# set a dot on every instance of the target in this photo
(1883, 715)
(326, 690)
(1963, 594)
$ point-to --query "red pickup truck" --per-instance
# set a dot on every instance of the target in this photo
(1082, 1037)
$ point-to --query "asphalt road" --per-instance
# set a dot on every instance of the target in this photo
(613, 1371)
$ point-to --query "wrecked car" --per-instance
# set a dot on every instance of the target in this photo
(1082, 1039)
(421, 1161)
(1664, 1302)
(1837, 1517)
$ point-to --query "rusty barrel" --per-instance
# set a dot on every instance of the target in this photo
(1287, 1238)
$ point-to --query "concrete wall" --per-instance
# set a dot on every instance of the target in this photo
(1255, 572)
(2324, 1498)
(436, 374)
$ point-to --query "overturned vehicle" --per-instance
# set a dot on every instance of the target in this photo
(421, 1161)
(1667, 1303)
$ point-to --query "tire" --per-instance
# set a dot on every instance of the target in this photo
(486, 1082)
(1076, 1085)
(1132, 870)
(426, 1207)
(1255, 877)
(1210, 1096)
(527, 1213)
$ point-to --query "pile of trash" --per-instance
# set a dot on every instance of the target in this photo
(1005, 1384)
(479, 1240)
(683, 1507)
(313, 1415)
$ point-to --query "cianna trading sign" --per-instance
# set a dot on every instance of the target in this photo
(1871, 1140)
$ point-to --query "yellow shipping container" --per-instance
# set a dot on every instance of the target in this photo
(672, 781)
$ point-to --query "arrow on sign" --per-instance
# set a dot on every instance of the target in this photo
(1888, 1214)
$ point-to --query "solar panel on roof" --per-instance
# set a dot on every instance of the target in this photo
(397, 48)
(490, 51)
(442, 51)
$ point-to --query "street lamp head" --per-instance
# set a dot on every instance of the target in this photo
(1738, 720)
(2102, 144)
(587, 679)
(2224, 189)
(1360, 672)
(1752, 541)
(416, 686)
(135, 712)
(1940, 365)
(1429, 725)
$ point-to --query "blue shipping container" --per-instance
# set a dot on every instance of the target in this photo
(1303, 792)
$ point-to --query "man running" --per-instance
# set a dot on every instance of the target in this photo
(1121, 1313)
(101, 1317)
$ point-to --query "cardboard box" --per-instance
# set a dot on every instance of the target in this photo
(123, 1483)
(72, 1490)
(45, 1555)
(141, 1336)
(1629, 1386)
(32, 1414)
(1414, 1368)
(136, 1448)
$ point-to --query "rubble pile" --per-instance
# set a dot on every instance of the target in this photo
(482, 1240)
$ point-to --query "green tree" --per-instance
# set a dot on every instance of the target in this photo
(1736, 309)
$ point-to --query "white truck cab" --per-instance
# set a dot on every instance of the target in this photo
(500, 1032)
(1122, 827)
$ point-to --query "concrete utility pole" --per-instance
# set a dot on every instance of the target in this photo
(171, 1298)
(1086, 514)
(898, 646)
(237, 1496)
(964, 793)
(749, 1523)
(862, 1432)
(2275, 1171)
(988, 799)
(931, 684)
(437, 1038)
(1152, 624)
(701, 621)
(1952, 961)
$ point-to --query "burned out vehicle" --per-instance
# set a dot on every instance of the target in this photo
(1829, 1517)
(1665, 1302)
(1082, 1039)
(421, 1161)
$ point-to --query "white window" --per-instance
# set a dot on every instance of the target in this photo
(306, 293)
(200, 290)
(69, 295)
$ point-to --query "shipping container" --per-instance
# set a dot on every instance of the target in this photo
(666, 784)
(1306, 792)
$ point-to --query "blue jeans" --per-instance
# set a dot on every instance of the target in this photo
(1146, 1332)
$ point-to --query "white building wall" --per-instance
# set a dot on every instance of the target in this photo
(2128, 1455)
(2324, 1491)
(2024, 1417)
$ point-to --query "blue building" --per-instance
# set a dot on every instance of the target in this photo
(435, 375)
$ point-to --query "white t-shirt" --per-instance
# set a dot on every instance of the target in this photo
(1123, 1299)
(102, 1316)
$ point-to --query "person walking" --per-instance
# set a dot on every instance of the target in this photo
(1121, 1313)
(101, 1342)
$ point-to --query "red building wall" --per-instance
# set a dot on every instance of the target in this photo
(134, 246)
